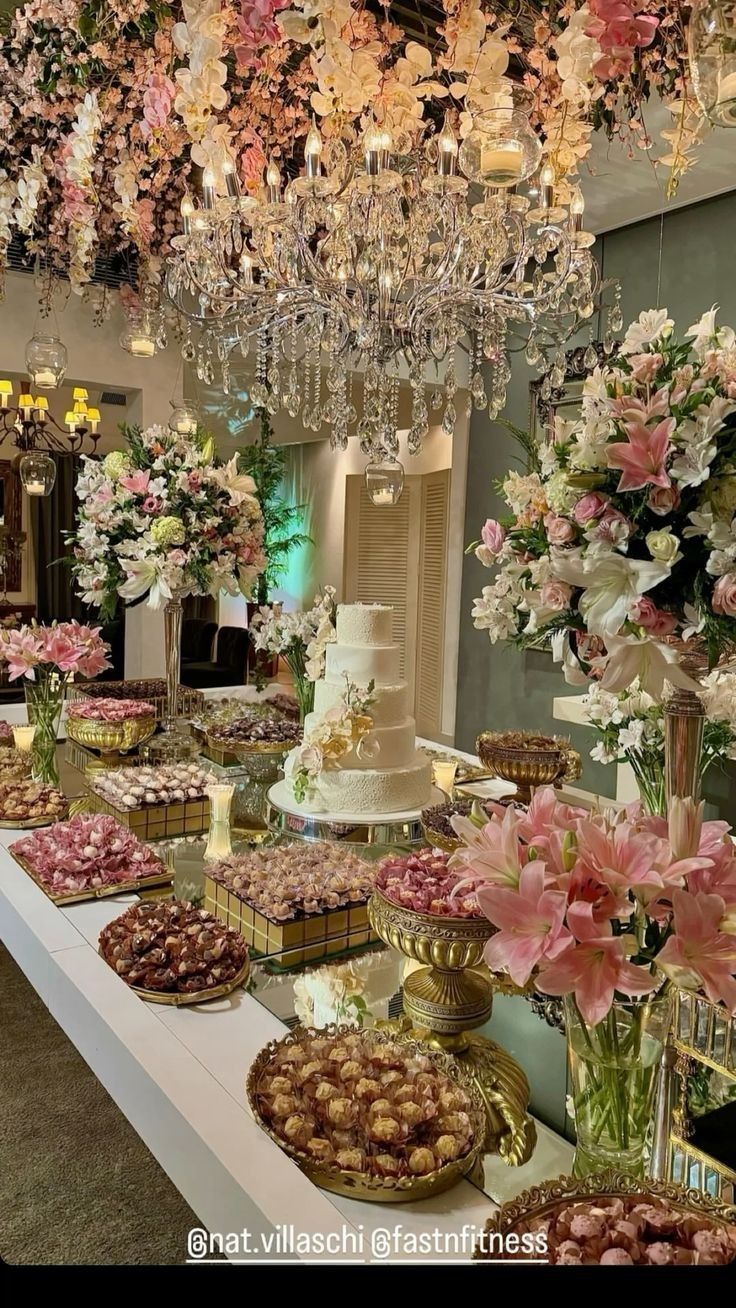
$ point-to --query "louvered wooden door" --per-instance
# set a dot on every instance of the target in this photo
(397, 556)
(432, 590)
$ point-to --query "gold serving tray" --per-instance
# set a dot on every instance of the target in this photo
(438, 840)
(31, 824)
(357, 1185)
(164, 878)
(177, 999)
(543, 1199)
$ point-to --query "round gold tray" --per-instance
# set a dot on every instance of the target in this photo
(357, 1185)
(541, 1200)
(247, 747)
(110, 737)
(178, 998)
(31, 824)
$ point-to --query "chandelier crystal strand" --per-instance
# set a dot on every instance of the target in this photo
(385, 262)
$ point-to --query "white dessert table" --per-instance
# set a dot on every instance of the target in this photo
(178, 1075)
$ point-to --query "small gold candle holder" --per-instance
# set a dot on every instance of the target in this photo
(219, 843)
(23, 737)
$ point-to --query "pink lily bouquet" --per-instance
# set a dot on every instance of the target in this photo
(622, 535)
(603, 909)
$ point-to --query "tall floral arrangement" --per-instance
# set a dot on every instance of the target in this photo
(105, 104)
(600, 908)
(163, 518)
(630, 729)
(300, 638)
(620, 544)
(48, 658)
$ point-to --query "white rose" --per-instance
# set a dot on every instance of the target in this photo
(664, 546)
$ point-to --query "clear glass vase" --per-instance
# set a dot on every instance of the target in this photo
(44, 702)
(614, 1069)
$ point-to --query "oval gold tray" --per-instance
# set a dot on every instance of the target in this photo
(163, 878)
(438, 840)
(357, 1185)
(31, 824)
(179, 998)
(543, 1199)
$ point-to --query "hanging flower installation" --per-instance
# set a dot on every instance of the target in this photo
(104, 106)
(621, 544)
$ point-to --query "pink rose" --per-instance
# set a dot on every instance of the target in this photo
(645, 367)
(556, 595)
(724, 595)
(560, 531)
(663, 500)
(590, 506)
(656, 621)
(613, 527)
(493, 535)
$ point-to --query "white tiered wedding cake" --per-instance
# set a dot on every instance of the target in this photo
(387, 774)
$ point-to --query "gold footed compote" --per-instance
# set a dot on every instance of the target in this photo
(528, 760)
(110, 739)
(445, 999)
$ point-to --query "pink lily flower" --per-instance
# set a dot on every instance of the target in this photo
(494, 852)
(593, 968)
(699, 954)
(619, 857)
(641, 458)
(136, 482)
(22, 651)
(530, 921)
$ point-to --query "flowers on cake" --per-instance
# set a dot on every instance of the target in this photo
(61, 649)
(338, 731)
(110, 710)
(622, 534)
(170, 783)
(289, 880)
(359, 1103)
(25, 800)
(595, 904)
(424, 883)
(163, 518)
(86, 853)
(171, 946)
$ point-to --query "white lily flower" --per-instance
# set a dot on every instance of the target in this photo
(610, 583)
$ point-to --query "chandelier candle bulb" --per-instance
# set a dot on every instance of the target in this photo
(232, 181)
(6, 390)
(273, 183)
(209, 189)
(547, 182)
(70, 419)
(376, 150)
(42, 408)
(186, 209)
(448, 148)
(25, 403)
(313, 151)
(93, 418)
(23, 736)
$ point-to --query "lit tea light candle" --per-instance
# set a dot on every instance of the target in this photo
(142, 347)
(33, 488)
(45, 378)
(381, 497)
(23, 737)
(444, 771)
(501, 163)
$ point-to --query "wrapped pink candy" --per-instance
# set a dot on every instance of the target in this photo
(423, 883)
(633, 1231)
(86, 853)
(111, 710)
(6, 731)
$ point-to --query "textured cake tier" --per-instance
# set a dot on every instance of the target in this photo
(364, 624)
(390, 703)
(377, 790)
(362, 664)
(396, 745)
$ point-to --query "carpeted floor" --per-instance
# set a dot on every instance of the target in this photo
(77, 1185)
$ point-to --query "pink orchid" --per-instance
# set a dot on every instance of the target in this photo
(641, 458)
(136, 482)
(530, 921)
(593, 968)
(699, 954)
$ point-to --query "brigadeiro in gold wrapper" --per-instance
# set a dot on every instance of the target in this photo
(366, 1105)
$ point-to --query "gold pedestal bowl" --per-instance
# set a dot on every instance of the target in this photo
(445, 999)
(528, 760)
(110, 738)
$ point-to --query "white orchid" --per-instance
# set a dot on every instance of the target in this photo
(650, 327)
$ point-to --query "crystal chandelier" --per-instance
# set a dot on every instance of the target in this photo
(372, 269)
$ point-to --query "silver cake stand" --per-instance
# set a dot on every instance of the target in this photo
(289, 818)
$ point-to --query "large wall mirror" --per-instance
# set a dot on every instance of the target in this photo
(549, 402)
(11, 534)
